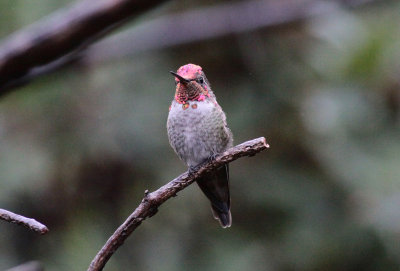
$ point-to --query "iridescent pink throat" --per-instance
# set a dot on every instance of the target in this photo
(182, 96)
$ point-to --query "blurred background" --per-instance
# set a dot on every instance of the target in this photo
(80, 146)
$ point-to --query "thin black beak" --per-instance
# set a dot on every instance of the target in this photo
(181, 79)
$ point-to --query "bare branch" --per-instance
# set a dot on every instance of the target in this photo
(151, 201)
(29, 223)
(62, 33)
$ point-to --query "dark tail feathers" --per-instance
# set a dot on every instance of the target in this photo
(224, 218)
(216, 187)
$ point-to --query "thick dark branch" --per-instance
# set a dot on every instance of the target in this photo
(62, 33)
(29, 223)
(151, 201)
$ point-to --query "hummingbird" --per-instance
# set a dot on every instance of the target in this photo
(197, 131)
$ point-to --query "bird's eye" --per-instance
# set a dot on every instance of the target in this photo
(200, 80)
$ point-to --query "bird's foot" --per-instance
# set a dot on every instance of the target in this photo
(192, 170)
(212, 157)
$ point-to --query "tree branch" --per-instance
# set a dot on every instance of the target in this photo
(64, 32)
(151, 201)
(29, 223)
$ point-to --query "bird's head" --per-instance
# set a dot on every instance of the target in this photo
(191, 84)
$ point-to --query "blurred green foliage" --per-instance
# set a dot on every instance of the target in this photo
(80, 146)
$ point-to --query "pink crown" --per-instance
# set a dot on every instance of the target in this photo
(189, 71)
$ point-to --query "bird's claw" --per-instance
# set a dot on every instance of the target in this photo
(192, 170)
(212, 157)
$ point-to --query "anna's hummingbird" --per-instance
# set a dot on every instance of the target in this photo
(197, 131)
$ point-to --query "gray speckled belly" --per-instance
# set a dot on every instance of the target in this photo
(197, 132)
